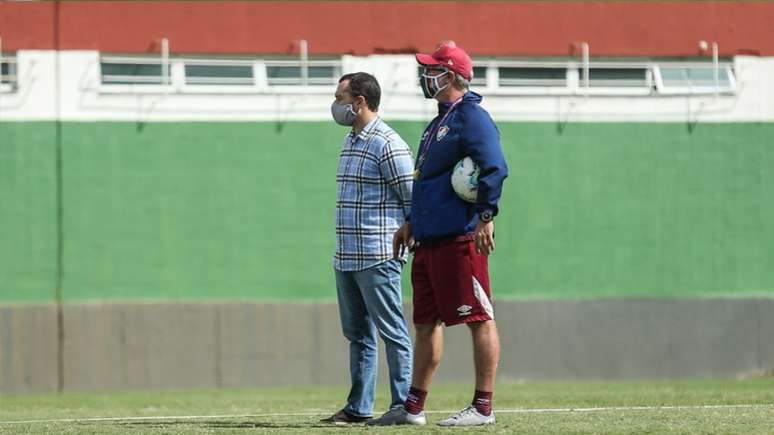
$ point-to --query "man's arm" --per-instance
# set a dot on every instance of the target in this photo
(482, 144)
(397, 168)
(481, 140)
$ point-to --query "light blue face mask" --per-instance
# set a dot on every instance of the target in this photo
(343, 114)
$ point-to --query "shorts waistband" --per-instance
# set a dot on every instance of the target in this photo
(446, 241)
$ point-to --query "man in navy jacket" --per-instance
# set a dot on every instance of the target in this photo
(451, 237)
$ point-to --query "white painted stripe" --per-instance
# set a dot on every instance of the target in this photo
(321, 413)
(165, 417)
(84, 98)
(629, 408)
(483, 299)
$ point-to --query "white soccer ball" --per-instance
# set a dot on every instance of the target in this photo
(464, 179)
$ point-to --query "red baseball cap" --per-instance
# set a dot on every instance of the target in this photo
(451, 57)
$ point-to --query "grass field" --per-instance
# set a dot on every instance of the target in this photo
(712, 406)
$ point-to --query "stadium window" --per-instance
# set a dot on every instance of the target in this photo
(133, 71)
(8, 75)
(479, 76)
(532, 76)
(220, 73)
(283, 75)
(619, 78)
(694, 79)
(290, 73)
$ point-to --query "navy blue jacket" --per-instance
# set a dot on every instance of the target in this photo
(436, 211)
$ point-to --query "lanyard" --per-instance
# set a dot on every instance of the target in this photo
(424, 147)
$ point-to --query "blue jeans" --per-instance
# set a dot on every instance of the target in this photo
(370, 302)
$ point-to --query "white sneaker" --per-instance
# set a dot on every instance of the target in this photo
(399, 415)
(468, 417)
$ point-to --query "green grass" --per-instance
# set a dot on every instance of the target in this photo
(731, 414)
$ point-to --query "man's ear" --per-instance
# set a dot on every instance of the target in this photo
(361, 101)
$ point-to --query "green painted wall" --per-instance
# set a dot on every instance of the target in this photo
(28, 235)
(245, 210)
(638, 209)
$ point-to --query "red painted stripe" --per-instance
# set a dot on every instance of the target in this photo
(27, 25)
(644, 28)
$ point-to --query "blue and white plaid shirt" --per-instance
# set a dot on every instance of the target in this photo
(373, 195)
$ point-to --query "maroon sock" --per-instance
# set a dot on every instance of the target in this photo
(415, 402)
(482, 400)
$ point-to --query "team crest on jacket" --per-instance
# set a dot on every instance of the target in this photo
(442, 133)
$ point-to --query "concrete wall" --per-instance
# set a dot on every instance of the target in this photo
(28, 348)
(167, 346)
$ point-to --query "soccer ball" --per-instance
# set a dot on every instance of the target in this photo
(464, 179)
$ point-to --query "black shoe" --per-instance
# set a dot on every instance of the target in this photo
(343, 417)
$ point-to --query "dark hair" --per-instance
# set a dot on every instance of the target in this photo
(364, 84)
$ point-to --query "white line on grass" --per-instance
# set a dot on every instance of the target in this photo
(313, 414)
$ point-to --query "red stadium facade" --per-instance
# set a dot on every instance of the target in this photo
(643, 28)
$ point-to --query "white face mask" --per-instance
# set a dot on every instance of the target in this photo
(430, 85)
(343, 114)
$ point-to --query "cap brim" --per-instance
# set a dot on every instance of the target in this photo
(426, 59)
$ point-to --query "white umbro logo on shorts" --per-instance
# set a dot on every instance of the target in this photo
(464, 310)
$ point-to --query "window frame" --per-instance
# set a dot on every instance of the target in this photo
(9, 83)
(728, 67)
(653, 84)
(497, 89)
(647, 87)
(179, 82)
(139, 87)
(293, 83)
(201, 81)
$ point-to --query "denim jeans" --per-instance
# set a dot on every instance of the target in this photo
(370, 302)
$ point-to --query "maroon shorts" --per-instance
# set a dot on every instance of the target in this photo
(451, 283)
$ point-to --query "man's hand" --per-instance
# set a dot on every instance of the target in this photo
(402, 240)
(485, 237)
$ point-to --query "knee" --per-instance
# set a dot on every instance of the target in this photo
(360, 337)
(435, 359)
(393, 340)
(483, 329)
(426, 333)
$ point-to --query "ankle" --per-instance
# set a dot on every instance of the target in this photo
(415, 402)
(482, 400)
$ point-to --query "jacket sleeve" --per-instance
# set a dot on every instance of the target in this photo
(481, 141)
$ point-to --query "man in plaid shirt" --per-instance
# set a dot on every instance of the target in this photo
(373, 198)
